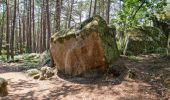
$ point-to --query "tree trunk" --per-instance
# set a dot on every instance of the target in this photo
(2, 29)
(20, 31)
(43, 27)
(70, 13)
(107, 11)
(58, 14)
(7, 28)
(38, 42)
(29, 35)
(90, 8)
(13, 32)
(33, 29)
(24, 30)
(103, 8)
(95, 4)
(27, 28)
(30, 27)
(48, 24)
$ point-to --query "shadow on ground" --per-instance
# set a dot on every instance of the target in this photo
(148, 84)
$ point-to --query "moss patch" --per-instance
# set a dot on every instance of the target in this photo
(108, 42)
(145, 40)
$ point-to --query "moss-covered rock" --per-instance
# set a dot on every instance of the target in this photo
(3, 87)
(47, 72)
(146, 40)
(32, 72)
(81, 48)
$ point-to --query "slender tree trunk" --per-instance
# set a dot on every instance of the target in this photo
(103, 8)
(95, 4)
(29, 33)
(30, 26)
(24, 30)
(2, 29)
(16, 39)
(13, 31)
(27, 28)
(33, 29)
(70, 13)
(90, 8)
(20, 31)
(43, 29)
(58, 14)
(38, 47)
(107, 11)
(48, 24)
(7, 28)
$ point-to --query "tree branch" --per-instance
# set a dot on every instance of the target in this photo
(138, 9)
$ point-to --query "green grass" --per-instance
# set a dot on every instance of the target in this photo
(3, 57)
(28, 61)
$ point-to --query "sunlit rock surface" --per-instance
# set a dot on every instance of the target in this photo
(88, 47)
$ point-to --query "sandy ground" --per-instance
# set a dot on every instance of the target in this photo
(22, 87)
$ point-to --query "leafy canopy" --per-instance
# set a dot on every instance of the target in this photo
(138, 12)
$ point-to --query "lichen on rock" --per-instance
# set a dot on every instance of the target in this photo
(85, 47)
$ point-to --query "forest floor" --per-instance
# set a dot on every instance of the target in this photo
(150, 82)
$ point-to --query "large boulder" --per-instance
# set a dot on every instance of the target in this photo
(3, 87)
(146, 40)
(84, 48)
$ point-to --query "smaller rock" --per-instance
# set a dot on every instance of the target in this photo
(42, 78)
(32, 72)
(3, 87)
(47, 72)
(36, 76)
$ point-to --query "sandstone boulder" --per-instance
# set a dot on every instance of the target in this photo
(3, 87)
(146, 40)
(84, 48)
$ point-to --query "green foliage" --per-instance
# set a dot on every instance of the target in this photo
(29, 60)
(138, 13)
(3, 57)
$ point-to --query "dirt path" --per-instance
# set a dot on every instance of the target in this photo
(22, 87)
